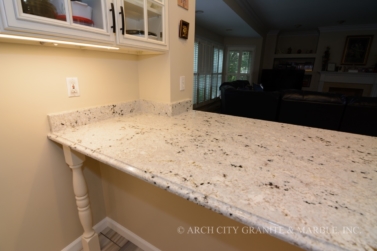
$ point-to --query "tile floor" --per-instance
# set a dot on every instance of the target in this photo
(112, 241)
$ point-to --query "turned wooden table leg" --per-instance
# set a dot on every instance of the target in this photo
(90, 241)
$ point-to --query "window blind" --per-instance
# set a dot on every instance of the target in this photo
(208, 66)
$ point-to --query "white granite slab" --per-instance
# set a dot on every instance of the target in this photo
(165, 109)
(311, 187)
(70, 119)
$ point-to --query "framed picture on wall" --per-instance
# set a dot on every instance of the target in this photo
(184, 4)
(356, 50)
(183, 29)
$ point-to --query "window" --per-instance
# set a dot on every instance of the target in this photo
(208, 68)
(239, 64)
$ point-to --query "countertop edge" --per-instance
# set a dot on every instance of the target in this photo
(293, 237)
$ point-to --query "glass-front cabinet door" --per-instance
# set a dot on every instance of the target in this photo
(81, 19)
(142, 23)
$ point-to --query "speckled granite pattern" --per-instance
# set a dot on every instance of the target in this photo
(165, 109)
(63, 120)
(180, 107)
(264, 174)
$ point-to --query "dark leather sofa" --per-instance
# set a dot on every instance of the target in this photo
(239, 103)
(360, 116)
(282, 79)
(314, 109)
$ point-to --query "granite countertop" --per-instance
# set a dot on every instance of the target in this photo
(311, 187)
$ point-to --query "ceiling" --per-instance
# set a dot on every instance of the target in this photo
(287, 15)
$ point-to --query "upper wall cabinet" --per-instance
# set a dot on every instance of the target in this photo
(136, 24)
(142, 23)
(84, 20)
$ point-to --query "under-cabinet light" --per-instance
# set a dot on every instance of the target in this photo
(57, 41)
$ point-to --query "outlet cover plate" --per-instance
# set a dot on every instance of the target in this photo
(73, 87)
(182, 84)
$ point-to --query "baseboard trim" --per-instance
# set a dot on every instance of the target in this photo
(76, 245)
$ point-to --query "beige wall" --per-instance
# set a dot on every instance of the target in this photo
(181, 51)
(38, 210)
(154, 78)
(155, 215)
(159, 74)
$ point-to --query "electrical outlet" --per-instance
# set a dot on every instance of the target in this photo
(182, 84)
(73, 87)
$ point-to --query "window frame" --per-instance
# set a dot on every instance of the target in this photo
(251, 63)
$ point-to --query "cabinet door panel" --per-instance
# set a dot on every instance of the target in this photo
(134, 18)
(53, 9)
(155, 18)
(89, 13)
(86, 20)
(144, 22)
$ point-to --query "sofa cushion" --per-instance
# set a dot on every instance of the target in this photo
(315, 97)
(314, 109)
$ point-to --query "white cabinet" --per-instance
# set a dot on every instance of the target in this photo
(86, 20)
(137, 24)
(143, 24)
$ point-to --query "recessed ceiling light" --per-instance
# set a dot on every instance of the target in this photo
(199, 12)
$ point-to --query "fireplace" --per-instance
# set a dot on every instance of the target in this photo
(354, 92)
(348, 89)
(349, 84)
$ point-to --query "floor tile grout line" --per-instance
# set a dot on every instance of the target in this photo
(111, 240)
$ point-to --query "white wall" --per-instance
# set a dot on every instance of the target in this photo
(206, 34)
(269, 50)
(336, 41)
